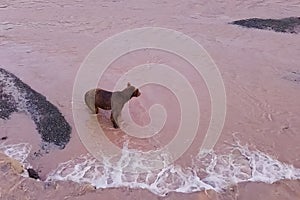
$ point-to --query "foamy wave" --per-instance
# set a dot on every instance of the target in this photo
(18, 152)
(209, 171)
(243, 165)
(86, 169)
(218, 172)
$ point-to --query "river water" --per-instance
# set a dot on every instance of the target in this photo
(44, 43)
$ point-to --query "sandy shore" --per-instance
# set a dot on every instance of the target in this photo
(14, 186)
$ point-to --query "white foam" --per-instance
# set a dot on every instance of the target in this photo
(220, 172)
(19, 152)
(242, 165)
(209, 171)
(86, 169)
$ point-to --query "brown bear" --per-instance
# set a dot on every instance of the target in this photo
(106, 100)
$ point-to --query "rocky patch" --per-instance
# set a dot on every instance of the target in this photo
(285, 25)
(17, 96)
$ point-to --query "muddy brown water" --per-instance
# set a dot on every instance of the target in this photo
(43, 43)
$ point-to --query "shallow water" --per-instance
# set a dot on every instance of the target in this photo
(259, 68)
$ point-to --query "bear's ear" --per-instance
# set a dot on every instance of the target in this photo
(128, 84)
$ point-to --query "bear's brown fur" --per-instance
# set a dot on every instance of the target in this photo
(106, 100)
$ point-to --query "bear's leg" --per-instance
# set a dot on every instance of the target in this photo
(113, 121)
(96, 110)
(113, 118)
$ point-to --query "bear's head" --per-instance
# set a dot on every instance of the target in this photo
(136, 91)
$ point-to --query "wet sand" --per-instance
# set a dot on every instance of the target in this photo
(260, 69)
(17, 187)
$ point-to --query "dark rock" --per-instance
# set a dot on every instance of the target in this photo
(33, 174)
(4, 138)
(285, 25)
(7, 102)
(50, 123)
